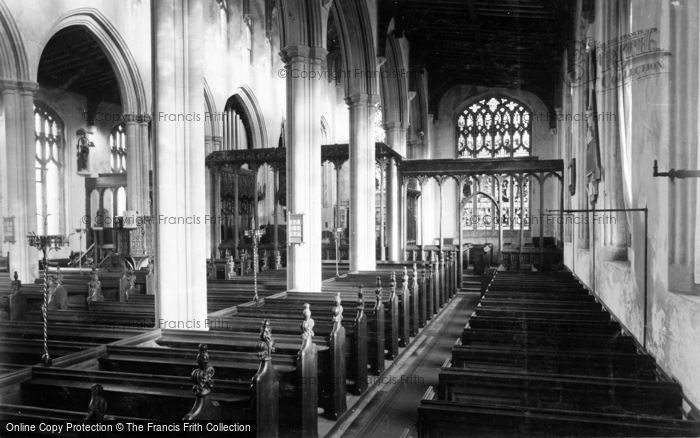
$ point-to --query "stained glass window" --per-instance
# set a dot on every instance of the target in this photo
(49, 148)
(494, 127)
(117, 146)
(480, 211)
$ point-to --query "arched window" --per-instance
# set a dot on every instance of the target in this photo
(49, 146)
(495, 127)
(379, 132)
(117, 146)
(236, 126)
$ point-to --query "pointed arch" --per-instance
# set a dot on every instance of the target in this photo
(304, 22)
(133, 95)
(13, 57)
(212, 126)
(248, 103)
(357, 46)
(395, 84)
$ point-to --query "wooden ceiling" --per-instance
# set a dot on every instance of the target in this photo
(514, 44)
(73, 60)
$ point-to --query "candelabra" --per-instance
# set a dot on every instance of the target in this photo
(80, 232)
(337, 234)
(255, 234)
(45, 244)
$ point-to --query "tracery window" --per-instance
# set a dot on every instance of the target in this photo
(480, 211)
(117, 147)
(49, 146)
(494, 127)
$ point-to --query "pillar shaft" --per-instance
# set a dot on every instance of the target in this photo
(393, 190)
(20, 201)
(362, 194)
(180, 170)
(304, 170)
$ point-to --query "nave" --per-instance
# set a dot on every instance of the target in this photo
(351, 217)
(525, 354)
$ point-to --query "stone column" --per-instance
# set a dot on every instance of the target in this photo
(216, 216)
(304, 180)
(393, 190)
(460, 235)
(18, 177)
(181, 252)
(396, 139)
(137, 164)
(362, 208)
(382, 164)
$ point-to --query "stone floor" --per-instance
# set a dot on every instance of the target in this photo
(389, 409)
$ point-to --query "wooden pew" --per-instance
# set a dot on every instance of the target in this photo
(154, 397)
(311, 359)
(104, 318)
(539, 356)
(246, 391)
(389, 338)
(598, 363)
(19, 351)
(67, 332)
(441, 418)
(542, 324)
(329, 326)
(373, 311)
(557, 391)
(531, 338)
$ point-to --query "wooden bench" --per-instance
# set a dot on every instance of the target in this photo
(540, 357)
(103, 318)
(327, 326)
(557, 391)
(284, 315)
(161, 396)
(543, 324)
(531, 338)
(441, 418)
(374, 315)
(599, 363)
(19, 351)
(311, 359)
(67, 332)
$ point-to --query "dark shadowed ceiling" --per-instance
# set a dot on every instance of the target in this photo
(494, 43)
(73, 60)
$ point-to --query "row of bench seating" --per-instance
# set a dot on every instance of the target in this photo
(146, 376)
(541, 357)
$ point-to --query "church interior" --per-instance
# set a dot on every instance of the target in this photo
(339, 218)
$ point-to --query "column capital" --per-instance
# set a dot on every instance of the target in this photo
(301, 53)
(136, 118)
(394, 125)
(361, 99)
(7, 85)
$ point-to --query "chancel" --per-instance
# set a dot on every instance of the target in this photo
(341, 218)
